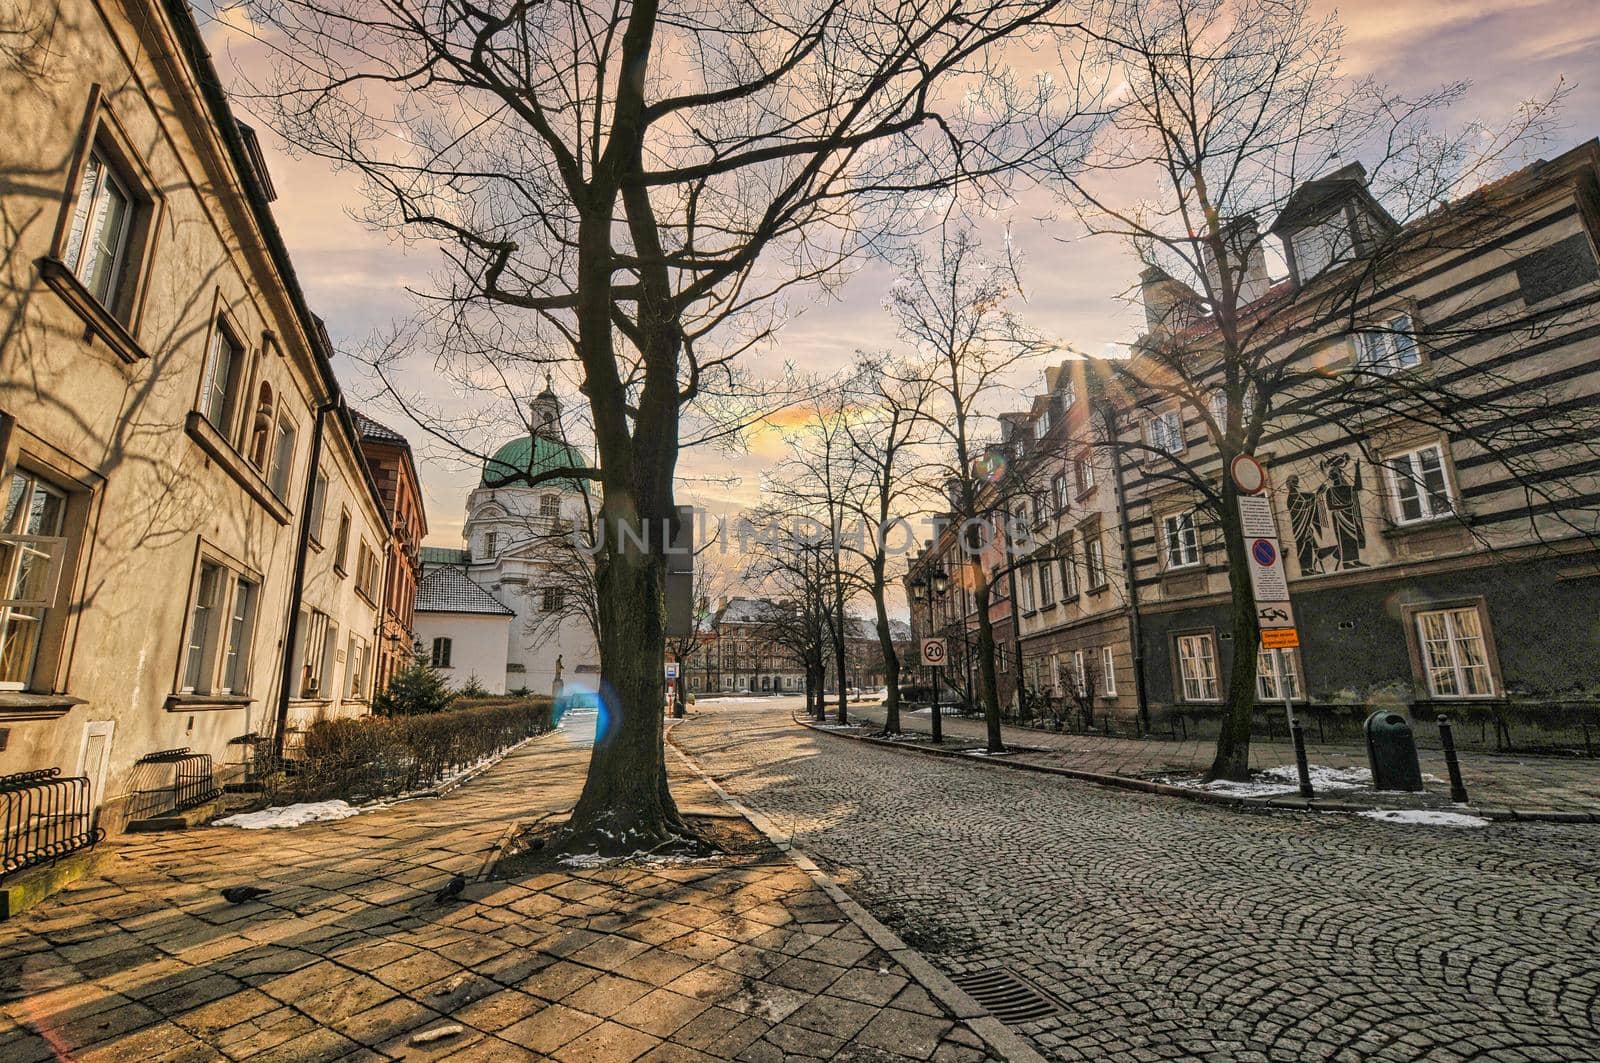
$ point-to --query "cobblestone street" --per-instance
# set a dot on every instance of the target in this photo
(1169, 929)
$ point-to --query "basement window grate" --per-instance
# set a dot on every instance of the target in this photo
(1007, 997)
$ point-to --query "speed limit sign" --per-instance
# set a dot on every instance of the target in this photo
(933, 652)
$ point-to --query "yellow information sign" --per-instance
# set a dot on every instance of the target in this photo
(1280, 638)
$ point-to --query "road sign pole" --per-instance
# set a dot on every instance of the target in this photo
(938, 732)
(1296, 732)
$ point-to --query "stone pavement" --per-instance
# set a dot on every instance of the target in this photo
(1493, 779)
(1169, 929)
(741, 958)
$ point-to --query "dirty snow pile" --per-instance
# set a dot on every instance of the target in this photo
(1424, 817)
(587, 861)
(1286, 780)
(281, 816)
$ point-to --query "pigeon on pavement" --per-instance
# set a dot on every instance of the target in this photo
(452, 889)
(243, 894)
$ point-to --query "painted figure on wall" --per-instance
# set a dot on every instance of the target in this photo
(1327, 522)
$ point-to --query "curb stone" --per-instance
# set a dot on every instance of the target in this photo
(1247, 804)
(1000, 1039)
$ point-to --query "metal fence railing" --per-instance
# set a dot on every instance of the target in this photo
(171, 781)
(44, 816)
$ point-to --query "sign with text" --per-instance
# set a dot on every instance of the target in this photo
(1280, 638)
(933, 652)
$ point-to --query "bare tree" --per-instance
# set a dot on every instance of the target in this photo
(955, 307)
(791, 563)
(1231, 107)
(643, 181)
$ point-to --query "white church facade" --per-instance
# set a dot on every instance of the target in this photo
(511, 610)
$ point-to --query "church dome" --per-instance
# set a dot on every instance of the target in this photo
(529, 456)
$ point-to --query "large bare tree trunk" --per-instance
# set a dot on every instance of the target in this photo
(891, 663)
(989, 685)
(1233, 743)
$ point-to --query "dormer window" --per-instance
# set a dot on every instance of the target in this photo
(1322, 245)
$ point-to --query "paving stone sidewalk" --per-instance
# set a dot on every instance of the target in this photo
(1492, 779)
(745, 958)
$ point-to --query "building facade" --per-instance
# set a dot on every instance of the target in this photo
(388, 456)
(164, 392)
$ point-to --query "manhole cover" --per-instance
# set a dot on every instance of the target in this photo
(1007, 997)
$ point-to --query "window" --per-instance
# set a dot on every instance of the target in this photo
(1267, 677)
(366, 571)
(1218, 406)
(1390, 349)
(1455, 657)
(1067, 393)
(97, 243)
(319, 504)
(1197, 667)
(1069, 576)
(1181, 542)
(1319, 246)
(224, 367)
(31, 549)
(553, 599)
(491, 544)
(1047, 585)
(1025, 588)
(1108, 672)
(441, 652)
(1417, 479)
(241, 624)
(550, 506)
(222, 620)
(341, 545)
(1080, 678)
(1058, 492)
(1164, 431)
(282, 457)
(314, 647)
(1094, 560)
(1083, 473)
(356, 668)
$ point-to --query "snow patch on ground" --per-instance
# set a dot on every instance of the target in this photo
(835, 726)
(588, 861)
(281, 816)
(1424, 817)
(1274, 782)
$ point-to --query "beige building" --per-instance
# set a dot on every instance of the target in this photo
(165, 394)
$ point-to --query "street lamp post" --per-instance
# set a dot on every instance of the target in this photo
(927, 590)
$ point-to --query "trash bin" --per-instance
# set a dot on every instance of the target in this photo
(1392, 752)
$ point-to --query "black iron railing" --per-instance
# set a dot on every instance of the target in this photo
(44, 817)
(171, 781)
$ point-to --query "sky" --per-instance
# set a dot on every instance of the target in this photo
(357, 279)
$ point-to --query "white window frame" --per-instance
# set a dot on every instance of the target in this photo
(1108, 672)
(440, 659)
(1047, 586)
(550, 506)
(313, 653)
(1094, 560)
(1180, 546)
(319, 507)
(1267, 688)
(280, 469)
(1391, 349)
(1446, 658)
(1080, 676)
(355, 669)
(1058, 492)
(1025, 588)
(341, 544)
(219, 401)
(23, 544)
(1410, 484)
(1164, 430)
(1197, 667)
(217, 657)
(1069, 576)
(85, 237)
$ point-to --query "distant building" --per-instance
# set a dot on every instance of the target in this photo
(742, 648)
(395, 472)
(520, 553)
(465, 630)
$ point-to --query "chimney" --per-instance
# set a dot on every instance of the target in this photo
(1247, 258)
(1168, 304)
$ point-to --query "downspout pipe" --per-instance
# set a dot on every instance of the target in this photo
(291, 623)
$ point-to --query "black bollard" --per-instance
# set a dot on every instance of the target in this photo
(1458, 788)
(1300, 764)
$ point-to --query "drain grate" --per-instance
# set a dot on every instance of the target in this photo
(1007, 997)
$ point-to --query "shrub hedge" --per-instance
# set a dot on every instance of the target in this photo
(368, 757)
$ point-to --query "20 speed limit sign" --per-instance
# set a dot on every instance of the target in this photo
(933, 652)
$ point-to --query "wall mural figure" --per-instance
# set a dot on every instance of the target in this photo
(1327, 523)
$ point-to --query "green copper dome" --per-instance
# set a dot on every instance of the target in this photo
(530, 456)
